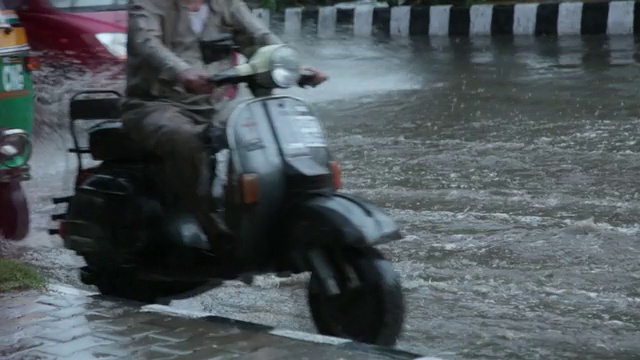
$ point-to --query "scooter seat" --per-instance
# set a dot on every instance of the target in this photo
(109, 142)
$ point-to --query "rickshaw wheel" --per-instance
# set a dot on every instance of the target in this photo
(14, 221)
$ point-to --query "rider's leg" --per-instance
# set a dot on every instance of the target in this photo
(177, 138)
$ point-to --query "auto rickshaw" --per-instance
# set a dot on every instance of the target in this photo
(16, 122)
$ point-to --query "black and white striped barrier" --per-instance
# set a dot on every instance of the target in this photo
(570, 18)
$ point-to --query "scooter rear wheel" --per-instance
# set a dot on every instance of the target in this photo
(124, 282)
(14, 210)
(112, 267)
(372, 312)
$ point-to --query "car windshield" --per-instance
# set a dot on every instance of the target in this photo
(90, 5)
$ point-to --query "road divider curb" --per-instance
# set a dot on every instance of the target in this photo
(390, 353)
(533, 19)
(68, 290)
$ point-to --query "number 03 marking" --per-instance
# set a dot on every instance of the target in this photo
(12, 78)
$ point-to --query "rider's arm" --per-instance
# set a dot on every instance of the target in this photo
(146, 37)
(251, 32)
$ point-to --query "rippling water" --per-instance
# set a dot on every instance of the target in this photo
(511, 166)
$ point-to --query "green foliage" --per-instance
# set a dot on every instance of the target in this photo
(15, 275)
(268, 4)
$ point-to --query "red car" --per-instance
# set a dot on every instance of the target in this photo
(88, 32)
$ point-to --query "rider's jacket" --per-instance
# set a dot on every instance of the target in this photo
(162, 42)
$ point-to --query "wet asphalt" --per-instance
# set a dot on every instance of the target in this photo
(510, 164)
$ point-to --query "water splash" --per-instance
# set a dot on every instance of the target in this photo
(54, 86)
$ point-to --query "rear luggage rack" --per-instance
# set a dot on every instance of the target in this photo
(103, 106)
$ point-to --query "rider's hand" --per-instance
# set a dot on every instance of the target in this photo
(313, 77)
(196, 81)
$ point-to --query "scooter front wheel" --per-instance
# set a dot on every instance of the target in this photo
(369, 307)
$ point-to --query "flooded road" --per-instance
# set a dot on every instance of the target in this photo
(512, 168)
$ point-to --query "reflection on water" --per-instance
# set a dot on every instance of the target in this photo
(512, 167)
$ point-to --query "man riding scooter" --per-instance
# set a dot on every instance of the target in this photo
(171, 105)
(276, 188)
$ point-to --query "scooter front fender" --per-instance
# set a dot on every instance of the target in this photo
(361, 222)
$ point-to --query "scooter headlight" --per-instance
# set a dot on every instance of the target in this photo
(285, 67)
(15, 148)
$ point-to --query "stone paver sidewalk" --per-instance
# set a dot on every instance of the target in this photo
(67, 325)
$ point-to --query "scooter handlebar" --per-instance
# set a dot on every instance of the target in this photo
(231, 77)
(227, 77)
(307, 78)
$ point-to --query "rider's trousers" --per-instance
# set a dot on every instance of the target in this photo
(177, 135)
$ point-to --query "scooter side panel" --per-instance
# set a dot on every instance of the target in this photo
(300, 134)
(254, 149)
(251, 140)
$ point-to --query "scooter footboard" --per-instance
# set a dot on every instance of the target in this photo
(362, 223)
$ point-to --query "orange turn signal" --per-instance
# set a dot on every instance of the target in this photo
(31, 63)
(336, 174)
(250, 188)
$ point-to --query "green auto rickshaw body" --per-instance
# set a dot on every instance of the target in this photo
(16, 123)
